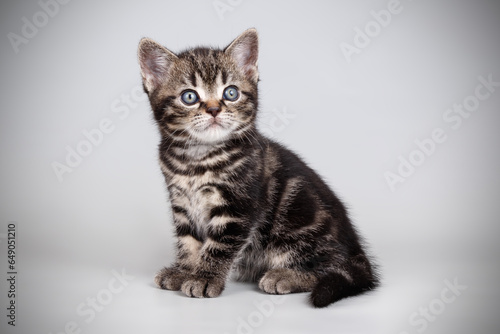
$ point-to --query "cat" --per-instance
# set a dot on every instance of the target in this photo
(241, 202)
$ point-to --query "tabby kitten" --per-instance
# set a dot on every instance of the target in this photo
(240, 201)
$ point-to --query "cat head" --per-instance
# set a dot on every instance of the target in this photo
(202, 95)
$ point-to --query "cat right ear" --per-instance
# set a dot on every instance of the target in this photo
(245, 50)
(155, 61)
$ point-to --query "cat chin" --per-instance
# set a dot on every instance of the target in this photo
(212, 135)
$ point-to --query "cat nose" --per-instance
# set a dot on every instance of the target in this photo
(213, 108)
(214, 111)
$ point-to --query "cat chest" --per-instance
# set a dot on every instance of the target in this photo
(194, 198)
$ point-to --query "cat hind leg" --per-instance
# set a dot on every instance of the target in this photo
(285, 280)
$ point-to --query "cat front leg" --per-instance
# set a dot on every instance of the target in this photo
(188, 250)
(171, 278)
(225, 238)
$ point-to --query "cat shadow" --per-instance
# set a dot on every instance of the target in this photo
(234, 288)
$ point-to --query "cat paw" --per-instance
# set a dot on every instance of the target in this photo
(203, 287)
(282, 281)
(170, 278)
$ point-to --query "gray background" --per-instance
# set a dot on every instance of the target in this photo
(350, 120)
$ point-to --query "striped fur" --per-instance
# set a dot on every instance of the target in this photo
(242, 203)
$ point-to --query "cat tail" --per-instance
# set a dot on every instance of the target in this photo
(334, 286)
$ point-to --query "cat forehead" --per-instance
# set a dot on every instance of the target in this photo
(206, 64)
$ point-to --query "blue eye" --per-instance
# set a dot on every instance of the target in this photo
(189, 97)
(231, 93)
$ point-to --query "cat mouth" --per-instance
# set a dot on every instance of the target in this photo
(213, 129)
(214, 124)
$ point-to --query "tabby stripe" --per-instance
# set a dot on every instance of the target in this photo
(192, 78)
(188, 230)
(292, 188)
(213, 158)
(172, 119)
(224, 76)
(274, 187)
(179, 209)
(167, 163)
(239, 167)
(172, 142)
(168, 101)
(178, 153)
(179, 166)
(220, 253)
(160, 110)
(302, 243)
(223, 151)
(238, 203)
(235, 159)
(217, 250)
(231, 231)
(320, 225)
(219, 223)
(179, 138)
(221, 210)
(249, 114)
(181, 219)
(183, 230)
(249, 96)
(227, 191)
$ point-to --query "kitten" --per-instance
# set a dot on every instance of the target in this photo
(240, 201)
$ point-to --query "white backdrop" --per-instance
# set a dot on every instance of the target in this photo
(395, 103)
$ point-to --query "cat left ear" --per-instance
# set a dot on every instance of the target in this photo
(155, 61)
(245, 50)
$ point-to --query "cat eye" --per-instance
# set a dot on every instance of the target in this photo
(231, 93)
(189, 97)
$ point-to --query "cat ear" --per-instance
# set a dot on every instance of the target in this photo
(245, 50)
(155, 61)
